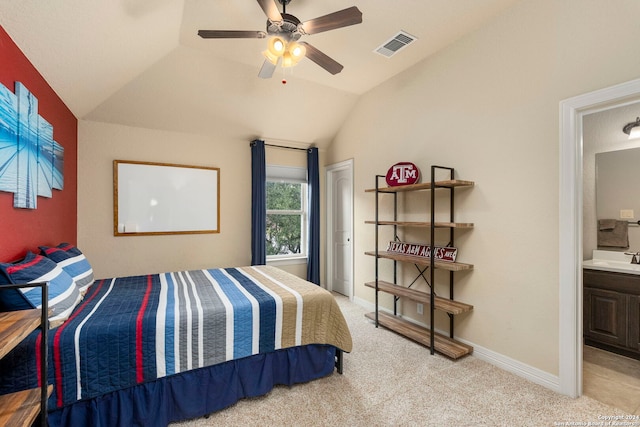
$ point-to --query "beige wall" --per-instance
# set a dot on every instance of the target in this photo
(101, 143)
(489, 106)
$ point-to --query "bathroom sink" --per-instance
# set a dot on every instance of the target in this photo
(606, 263)
(619, 266)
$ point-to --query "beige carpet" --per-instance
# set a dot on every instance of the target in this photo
(391, 381)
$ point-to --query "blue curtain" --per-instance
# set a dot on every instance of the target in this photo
(258, 204)
(313, 178)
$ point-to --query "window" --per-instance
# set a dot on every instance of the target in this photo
(286, 212)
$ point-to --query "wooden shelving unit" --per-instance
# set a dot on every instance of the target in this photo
(22, 408)
(424, 224)
(449, 183)
(448, 346)
(443, 344)
(15, 326)
(444, 304)
(444, 265)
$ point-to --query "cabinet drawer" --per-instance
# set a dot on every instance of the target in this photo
(618, 282)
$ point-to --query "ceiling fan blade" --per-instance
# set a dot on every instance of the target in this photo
(342, 18)
(267, 69)
(322, 60)
(271, 10)
(231, 34)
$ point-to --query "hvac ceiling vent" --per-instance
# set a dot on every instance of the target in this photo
(395, 44)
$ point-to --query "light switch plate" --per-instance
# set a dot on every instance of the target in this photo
(626, 214)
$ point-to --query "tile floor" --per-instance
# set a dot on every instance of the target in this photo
(611, 379)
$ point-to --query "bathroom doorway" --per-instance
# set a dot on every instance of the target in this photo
(609, 156)
(573, 111)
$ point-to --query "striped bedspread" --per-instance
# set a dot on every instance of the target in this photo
(135, 329)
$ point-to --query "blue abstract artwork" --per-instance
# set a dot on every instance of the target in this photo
(31, 162)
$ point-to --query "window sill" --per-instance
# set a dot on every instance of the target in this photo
(287, 261)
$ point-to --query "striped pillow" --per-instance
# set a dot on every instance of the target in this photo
(73, 261)
(62, 292)
(11, 299)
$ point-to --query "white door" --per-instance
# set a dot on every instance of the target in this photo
(340, 220)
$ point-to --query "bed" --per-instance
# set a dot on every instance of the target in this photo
(154, 349)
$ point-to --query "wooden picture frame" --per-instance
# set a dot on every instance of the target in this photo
(164, 198)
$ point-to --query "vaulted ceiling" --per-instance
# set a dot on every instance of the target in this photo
(141, 62)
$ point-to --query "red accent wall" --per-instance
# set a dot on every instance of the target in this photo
(55, 219)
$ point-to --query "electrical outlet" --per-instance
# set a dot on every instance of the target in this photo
(420, 308)
(626, 213)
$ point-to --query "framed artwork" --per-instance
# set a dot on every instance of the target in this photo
(31, 162)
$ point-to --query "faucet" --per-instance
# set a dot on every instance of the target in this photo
(635, 259)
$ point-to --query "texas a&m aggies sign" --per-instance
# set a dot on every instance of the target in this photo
(441, 253)
(403, 173)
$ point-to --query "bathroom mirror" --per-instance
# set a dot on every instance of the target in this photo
(610, 161)
(618, 184)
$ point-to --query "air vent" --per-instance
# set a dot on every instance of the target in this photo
(395, 44)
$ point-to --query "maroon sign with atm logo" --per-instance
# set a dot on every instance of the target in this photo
(403, 173)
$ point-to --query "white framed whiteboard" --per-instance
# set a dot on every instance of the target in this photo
(164, 198)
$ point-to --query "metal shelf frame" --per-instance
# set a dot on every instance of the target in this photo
(430, 281)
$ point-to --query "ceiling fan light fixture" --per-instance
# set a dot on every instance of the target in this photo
(287, 60)
(275, 49)
(632, 129)
(277, 46)
(297, 51)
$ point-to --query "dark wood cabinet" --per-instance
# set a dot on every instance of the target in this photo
(611, 311)
(634, 323)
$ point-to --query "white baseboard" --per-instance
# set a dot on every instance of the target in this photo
(520, 369)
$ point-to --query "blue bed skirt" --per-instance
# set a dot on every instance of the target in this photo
(199, 392)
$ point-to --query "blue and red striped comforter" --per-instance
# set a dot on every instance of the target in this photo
(136, 329)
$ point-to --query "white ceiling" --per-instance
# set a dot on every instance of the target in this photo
(141, 62)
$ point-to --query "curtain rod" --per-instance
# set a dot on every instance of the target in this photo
(285, 147)
(252, 143)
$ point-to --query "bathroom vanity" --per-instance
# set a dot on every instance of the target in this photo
(611, 290)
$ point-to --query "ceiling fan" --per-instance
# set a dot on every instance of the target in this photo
(286, 30)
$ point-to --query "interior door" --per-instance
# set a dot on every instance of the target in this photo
(340, 212)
